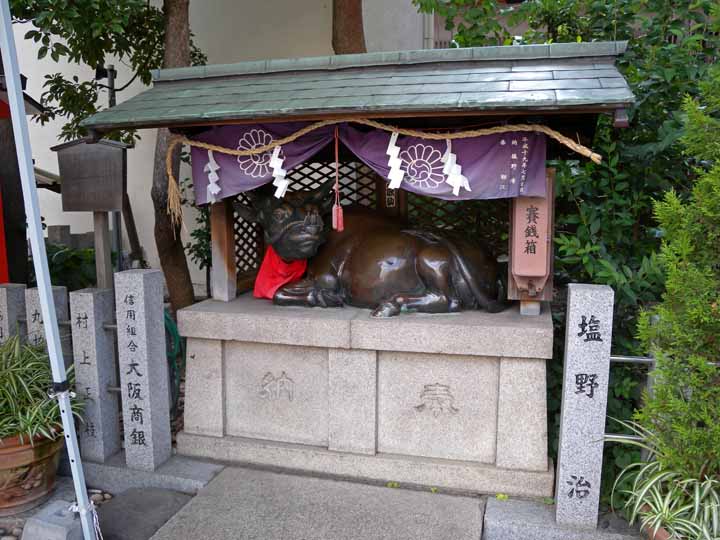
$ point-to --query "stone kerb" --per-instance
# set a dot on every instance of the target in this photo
(12, 310)
(143, 368)
(95, 370)
(588, 335)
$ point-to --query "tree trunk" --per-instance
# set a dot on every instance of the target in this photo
(13, 207)
(348, 35)
(167, 237)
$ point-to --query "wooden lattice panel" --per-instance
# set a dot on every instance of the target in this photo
(248, 242)
(357, 181)
(478, 219)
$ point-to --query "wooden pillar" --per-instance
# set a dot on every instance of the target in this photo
(222, 238)
(103, 258)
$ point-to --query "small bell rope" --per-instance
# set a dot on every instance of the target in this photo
(174, 206)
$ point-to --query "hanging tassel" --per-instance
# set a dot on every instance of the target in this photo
(338, 221)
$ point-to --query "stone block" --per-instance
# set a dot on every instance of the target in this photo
(204, 394)
(277, 392)
(59, 235)
(12, 309)
(466, 333)
(352, 400)
(437, 406)
(95, 370)
(522, 415)
(259, 320)
(54, 522)
(588, 335)
(533, 520)
(463, 476)
(179, 473)
(143, 367)
(36, 325)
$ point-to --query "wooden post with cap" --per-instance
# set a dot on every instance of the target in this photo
(222, 239)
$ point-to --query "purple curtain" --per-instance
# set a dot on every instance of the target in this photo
(493, 166)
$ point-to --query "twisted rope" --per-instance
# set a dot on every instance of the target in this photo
(174, 206)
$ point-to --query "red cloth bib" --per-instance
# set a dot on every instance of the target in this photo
(274, 273)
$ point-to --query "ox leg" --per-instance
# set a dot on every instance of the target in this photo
(433, 267)
(322, 291)
(429, 302)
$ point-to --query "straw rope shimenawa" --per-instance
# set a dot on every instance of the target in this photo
(174, 206)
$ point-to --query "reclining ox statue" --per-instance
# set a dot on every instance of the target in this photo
(374, 263)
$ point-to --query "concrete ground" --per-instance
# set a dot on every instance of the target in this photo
(242, 504)
(250, 504)
(136, 514)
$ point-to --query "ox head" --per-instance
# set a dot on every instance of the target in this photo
(293, 225)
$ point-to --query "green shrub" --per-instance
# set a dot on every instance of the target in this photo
(71, 268)
(684, 329)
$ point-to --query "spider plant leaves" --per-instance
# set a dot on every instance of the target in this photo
(687, 507)
(26, 411)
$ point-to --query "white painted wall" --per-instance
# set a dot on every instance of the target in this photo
(227, 31)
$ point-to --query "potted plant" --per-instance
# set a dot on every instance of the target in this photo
(669, 503)
(30, 427)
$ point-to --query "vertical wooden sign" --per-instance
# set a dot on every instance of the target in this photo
(531, 249)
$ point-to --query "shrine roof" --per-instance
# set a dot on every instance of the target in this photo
(492, 80)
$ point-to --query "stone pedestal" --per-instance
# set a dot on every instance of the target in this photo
(95, 370)
(36, 325)
(143, 368)
(588, 335)
(454, 400)
(12, 309)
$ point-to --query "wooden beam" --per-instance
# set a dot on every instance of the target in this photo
(222, 238)
(103, 259)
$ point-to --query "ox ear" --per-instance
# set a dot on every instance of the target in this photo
(258, 201)
(248, 213)
(322, 197)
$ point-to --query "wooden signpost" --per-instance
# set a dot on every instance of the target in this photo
(93, 180)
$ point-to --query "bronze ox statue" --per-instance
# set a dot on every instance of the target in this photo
(374, 263)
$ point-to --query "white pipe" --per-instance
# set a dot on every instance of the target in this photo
(428, 30)
(47, 306)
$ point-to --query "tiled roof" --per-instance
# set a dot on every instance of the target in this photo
(513, 78)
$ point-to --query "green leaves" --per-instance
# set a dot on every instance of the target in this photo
(25, 408)
(89, 32)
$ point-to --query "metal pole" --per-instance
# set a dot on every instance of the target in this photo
(52, 334)
(116, 216)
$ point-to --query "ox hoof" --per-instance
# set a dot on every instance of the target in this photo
(386, 309)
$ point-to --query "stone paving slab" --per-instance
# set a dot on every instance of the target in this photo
(517, 519)
(138, 512)
(179, 473)
(250, 504)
